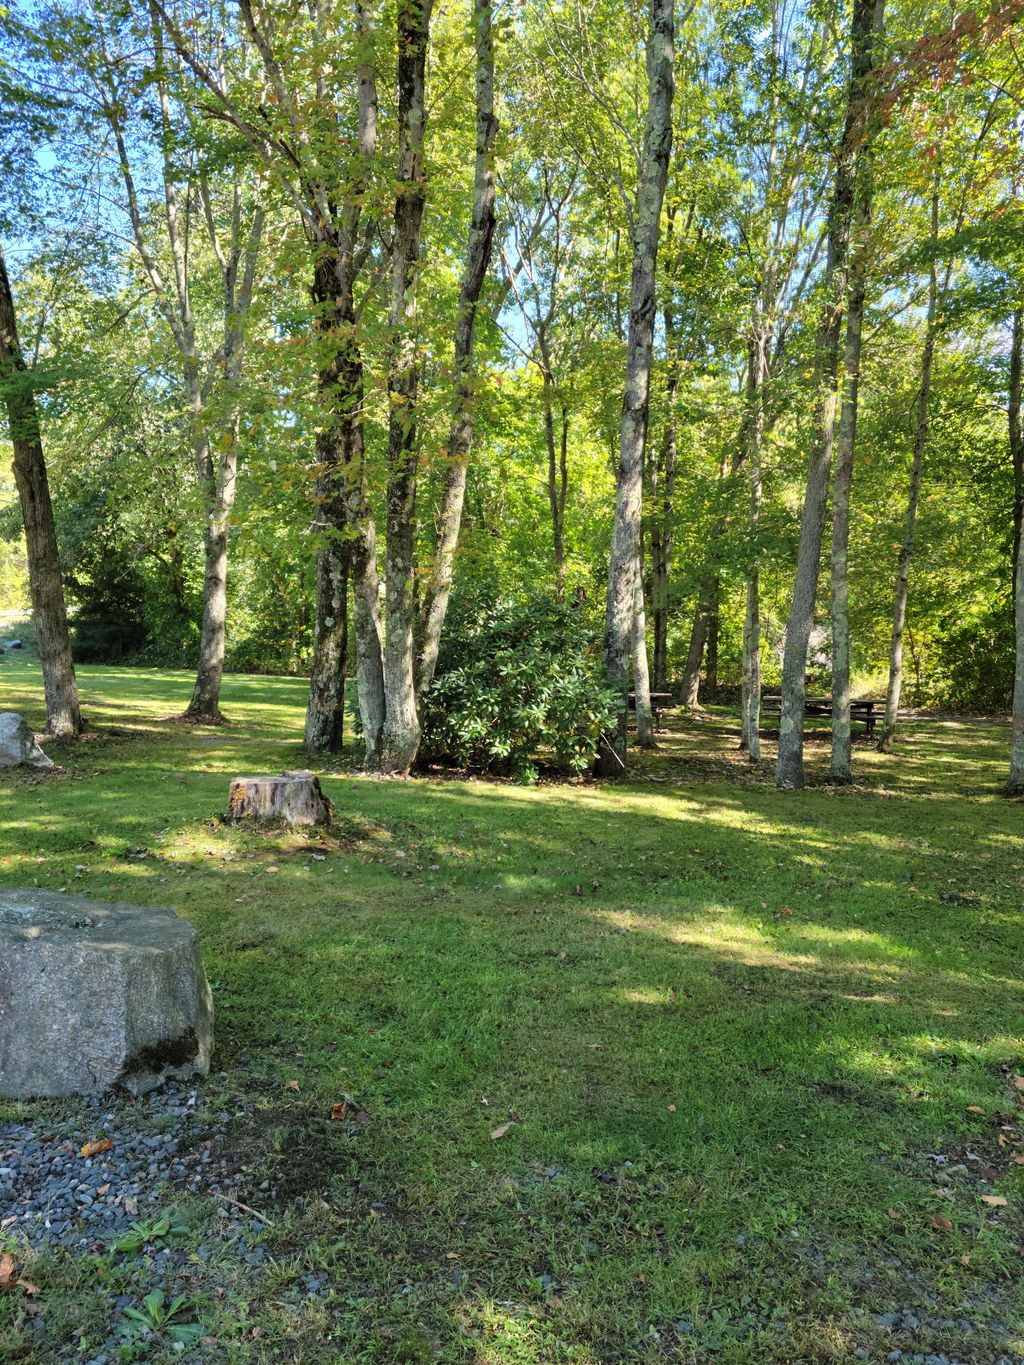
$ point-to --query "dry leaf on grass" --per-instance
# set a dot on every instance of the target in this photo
(994, 1201)
(500, 1131)
(96, 1146)
(338, 1111)
(291, 1085)
(941, 1224)
(1018, 1082)
(10, 1279)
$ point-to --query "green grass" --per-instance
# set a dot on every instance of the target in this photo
(736, 1021)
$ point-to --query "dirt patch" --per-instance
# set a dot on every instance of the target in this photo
(291, 1145)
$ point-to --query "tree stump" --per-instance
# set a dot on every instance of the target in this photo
(295, 798)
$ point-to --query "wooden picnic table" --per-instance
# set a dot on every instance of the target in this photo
(864, 709)
(660, 701)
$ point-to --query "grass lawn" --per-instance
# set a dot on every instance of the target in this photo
(756, 1049)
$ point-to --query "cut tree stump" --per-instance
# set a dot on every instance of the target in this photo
(295, 798)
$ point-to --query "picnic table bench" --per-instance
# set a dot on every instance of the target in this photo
(660, 701)
(864, 710)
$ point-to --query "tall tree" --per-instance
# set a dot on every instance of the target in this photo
(63, 716)
(866, 19)
(1016, 783)
(856, 299)
(199, 200)
(1016, 433)
(460, 432)
(646, 228)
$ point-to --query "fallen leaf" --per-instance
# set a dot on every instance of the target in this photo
(452, 1256)
(96, 1146)
(975, 1109)
(784, 910)
(338, 1111)
(10, 1279)
(103, 1188)
(291, 1085)
(941, 1224)
(1018, 1082)
(273, 869)
(894, 1214)
(1018, 1159)
(671, 1109)
(500, 1131)
(994, 1201)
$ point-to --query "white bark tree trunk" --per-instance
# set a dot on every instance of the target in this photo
(750, 725)
(620, 611)
(789, 769)
(921, 432)
(460, 437)
(641, 671)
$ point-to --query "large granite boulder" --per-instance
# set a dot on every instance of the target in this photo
(18, 747)
(94, 995)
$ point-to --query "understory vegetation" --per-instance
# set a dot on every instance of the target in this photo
(679, 1068)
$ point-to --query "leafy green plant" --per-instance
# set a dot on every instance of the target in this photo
(158, 1316)
(518, 682)
(152, 1231)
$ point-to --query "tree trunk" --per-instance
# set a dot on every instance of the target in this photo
(633, 433)
(1016, 784)
(641, 672)
(339, 384)
(840, 770)
(46, 588)
(789, 771)
(757, 373)
(557, 446)
(343, 513)
(401, 735)
(711, 646)
(1016, 437)
(663, 481)
(662, 494)
(295, 798)
(238, 268)
(205, 703)
(460, 439)
(695, 652)
(921, 431)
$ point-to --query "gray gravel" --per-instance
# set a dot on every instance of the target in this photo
(54, 1196)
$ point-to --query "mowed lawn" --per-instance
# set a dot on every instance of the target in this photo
(740, 1038)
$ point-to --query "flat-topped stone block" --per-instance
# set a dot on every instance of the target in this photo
(95, 994)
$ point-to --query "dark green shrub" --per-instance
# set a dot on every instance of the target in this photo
(973, 660)
(518, 683)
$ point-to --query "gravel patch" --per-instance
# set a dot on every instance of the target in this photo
(54, 1195)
